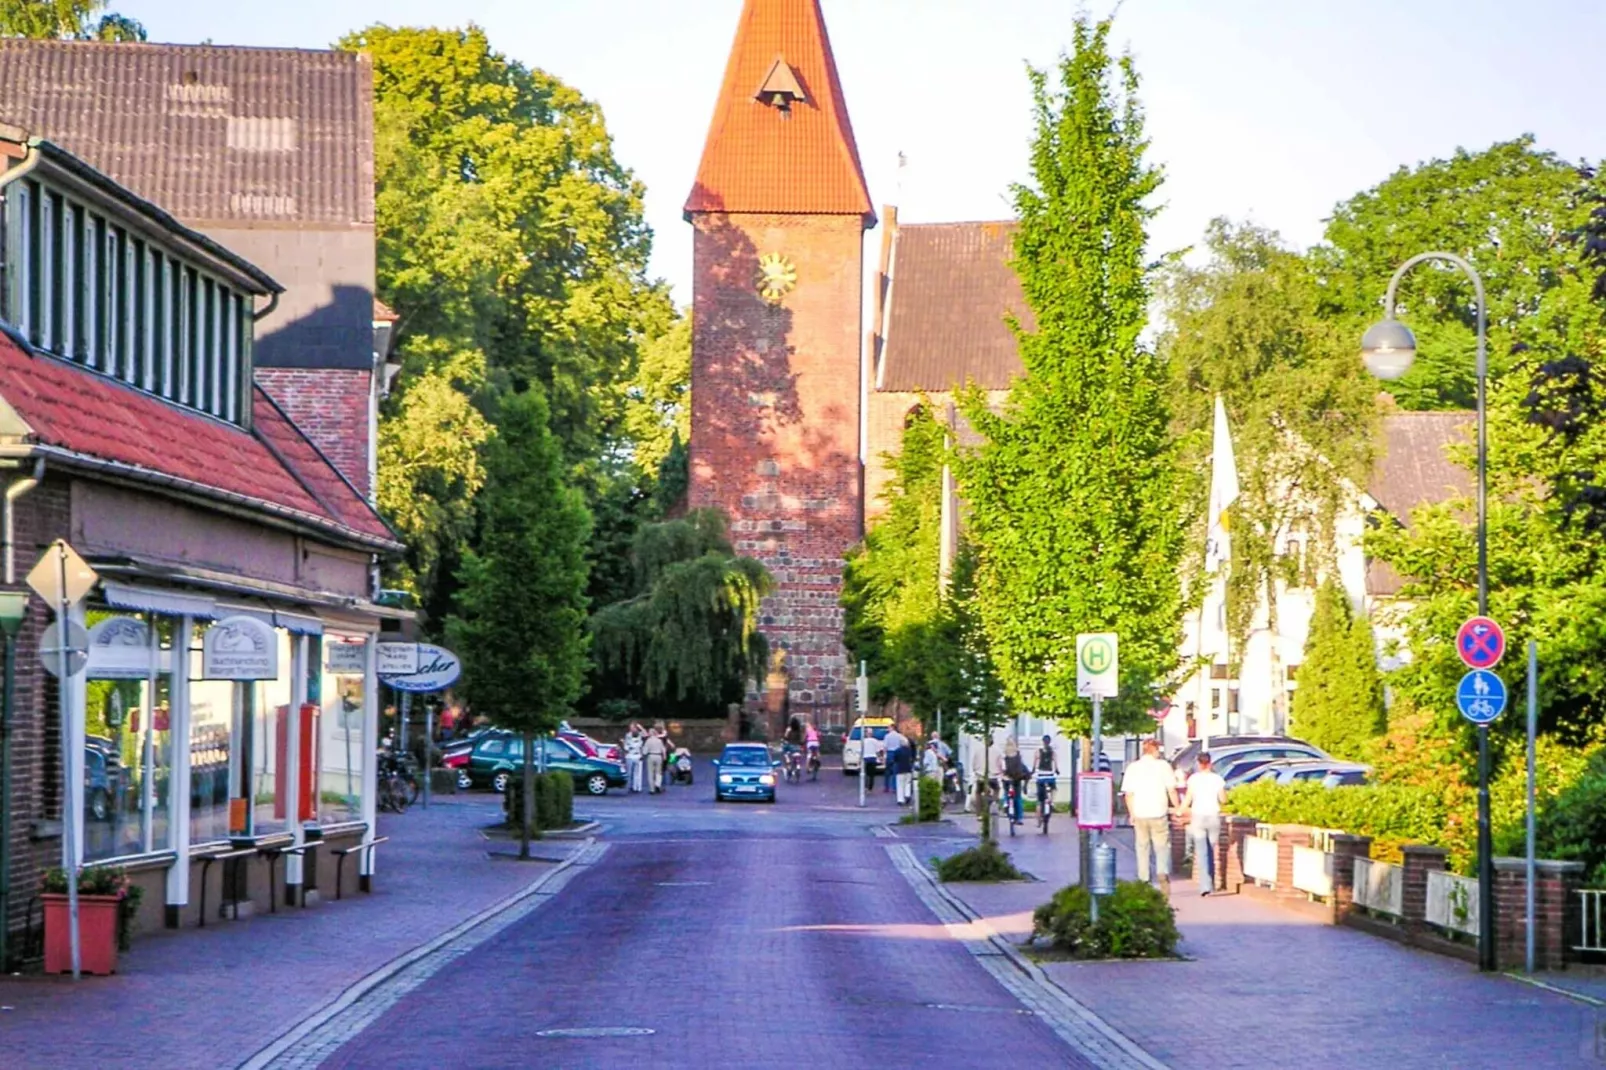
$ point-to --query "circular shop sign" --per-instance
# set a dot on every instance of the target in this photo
(438, 669)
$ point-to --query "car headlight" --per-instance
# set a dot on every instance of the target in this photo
(767, 778)
(725, 778)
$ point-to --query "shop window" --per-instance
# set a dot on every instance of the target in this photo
(128, 752)
(214, 750)
(343, 747)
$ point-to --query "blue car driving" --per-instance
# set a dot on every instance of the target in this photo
(745, 771)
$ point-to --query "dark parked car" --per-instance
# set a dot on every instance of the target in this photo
(101, 775)
(745, 771)
(499, 757)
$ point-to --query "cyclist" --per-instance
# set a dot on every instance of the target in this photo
(1047, 771)
(1014, 773)
(791, 747)
(811, 741)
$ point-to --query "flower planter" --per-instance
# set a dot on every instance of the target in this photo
(97, 933)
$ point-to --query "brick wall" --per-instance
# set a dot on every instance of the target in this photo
(330, 405)
(42, 516)
(775, 424)
(887, 413)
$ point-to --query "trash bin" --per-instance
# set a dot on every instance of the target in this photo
(1103, 876)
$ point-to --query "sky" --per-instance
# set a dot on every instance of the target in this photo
(1264, 110)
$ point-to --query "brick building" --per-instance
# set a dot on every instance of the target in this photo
(780, 208)
(202, 433)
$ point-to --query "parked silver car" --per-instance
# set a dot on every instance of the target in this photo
(1329, 772)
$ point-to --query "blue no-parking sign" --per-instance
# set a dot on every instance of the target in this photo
(1481, 695)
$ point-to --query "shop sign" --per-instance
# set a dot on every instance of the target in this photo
(120, 649)
(345, 658)
(438, 669)
(240, 648)
(396, 659)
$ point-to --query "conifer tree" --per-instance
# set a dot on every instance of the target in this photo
(520, 620)
(1338, 704)
(1073, 495)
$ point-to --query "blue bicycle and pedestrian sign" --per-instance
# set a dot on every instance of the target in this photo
(1481, 695)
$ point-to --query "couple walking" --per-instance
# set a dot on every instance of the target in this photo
(1150, 789)
(897, 762)
(646, 752)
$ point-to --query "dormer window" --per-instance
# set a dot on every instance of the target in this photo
(126, 291)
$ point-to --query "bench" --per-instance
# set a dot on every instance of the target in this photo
(230, 860)
(340, 866)
(274, 852)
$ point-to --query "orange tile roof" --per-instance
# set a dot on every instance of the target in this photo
(761, 158)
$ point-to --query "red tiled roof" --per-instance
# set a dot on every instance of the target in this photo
(952, 287)
(95, 417)
(759, 158)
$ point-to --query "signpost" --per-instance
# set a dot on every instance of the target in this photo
(62, 579)
(1097, 677)
(417, 668)
(1481, 696)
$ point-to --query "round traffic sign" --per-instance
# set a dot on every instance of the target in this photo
(1480, 642)
(1481, 695)
(50, 644)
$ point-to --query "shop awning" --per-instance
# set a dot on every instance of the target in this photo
(153, 600)
(297, 624)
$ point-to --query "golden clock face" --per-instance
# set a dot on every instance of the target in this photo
(776, 277)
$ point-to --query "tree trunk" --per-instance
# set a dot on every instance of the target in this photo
(528, 816)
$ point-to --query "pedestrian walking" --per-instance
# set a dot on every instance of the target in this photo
(634, 768)
(892, 748)
(976, 769)
(1202, 803)
(1149, 787)
(656, 749)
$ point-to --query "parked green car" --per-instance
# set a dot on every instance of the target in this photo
(498, 757)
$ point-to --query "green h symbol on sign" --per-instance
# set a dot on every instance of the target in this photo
(1096, 656)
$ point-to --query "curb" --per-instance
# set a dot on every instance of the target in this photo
(285, 1041)
(1565, 993)
(1076, 1024)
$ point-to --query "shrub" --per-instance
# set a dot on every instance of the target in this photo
(930, 799)
(984, 862)
(1573, 826)
(1392, 814)
(554, 800)
(1137, 922)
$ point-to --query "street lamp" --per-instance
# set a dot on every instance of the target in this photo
(13, 609)
(1387, 350)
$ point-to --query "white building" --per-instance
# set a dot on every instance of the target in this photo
(1413, 468)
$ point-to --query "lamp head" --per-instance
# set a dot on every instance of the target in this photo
(13, 608)
(1388, 348)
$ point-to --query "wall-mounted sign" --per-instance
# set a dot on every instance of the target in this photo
(437, 669)
(120, 649)
(344, 658)
(1095, 800)
(240, 648)
(397, 659)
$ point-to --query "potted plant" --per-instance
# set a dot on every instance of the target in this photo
(104, 895)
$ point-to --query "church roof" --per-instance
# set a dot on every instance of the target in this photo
(952, 286)
(780, 140)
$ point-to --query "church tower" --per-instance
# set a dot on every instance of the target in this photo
(780, 208)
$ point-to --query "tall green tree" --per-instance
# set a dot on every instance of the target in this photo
(688, 636)
(896, 617)
(1339, 703)
(520, 621)
(1248, 325)
(1074, 493)
(1507, 209)
(512, 244)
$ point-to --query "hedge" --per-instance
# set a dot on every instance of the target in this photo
(554, 800)
(1391, 814)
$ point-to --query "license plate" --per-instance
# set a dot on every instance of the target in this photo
(747, 787)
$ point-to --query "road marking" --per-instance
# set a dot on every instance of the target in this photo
(1076, 1024)
(587, 1032)
(325, 1031)
(684, 884)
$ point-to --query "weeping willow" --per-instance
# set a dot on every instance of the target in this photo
(691, 631)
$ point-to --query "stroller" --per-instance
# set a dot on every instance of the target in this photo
(680, 766)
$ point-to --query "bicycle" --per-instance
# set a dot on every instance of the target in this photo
(794, 765)
(397, 789)
(1010, 803)
(1045, 799)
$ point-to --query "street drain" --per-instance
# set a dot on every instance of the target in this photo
(977, 1010)
(594, 1031)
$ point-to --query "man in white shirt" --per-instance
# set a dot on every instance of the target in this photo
(1202, 802)
(890, 762)
(1150, 789)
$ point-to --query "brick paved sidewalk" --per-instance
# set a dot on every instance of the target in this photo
(210, 998)
(1268, 987)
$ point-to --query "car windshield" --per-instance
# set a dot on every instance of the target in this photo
(879, 732)
(745, 756)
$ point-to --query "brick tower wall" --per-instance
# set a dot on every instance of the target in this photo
(775, 425)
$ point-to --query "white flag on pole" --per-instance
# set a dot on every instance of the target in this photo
(1223, 491)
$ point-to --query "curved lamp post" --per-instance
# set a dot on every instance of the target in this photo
(1387, 350)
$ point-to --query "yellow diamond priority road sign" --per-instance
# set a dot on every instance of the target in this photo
(1097, 665)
